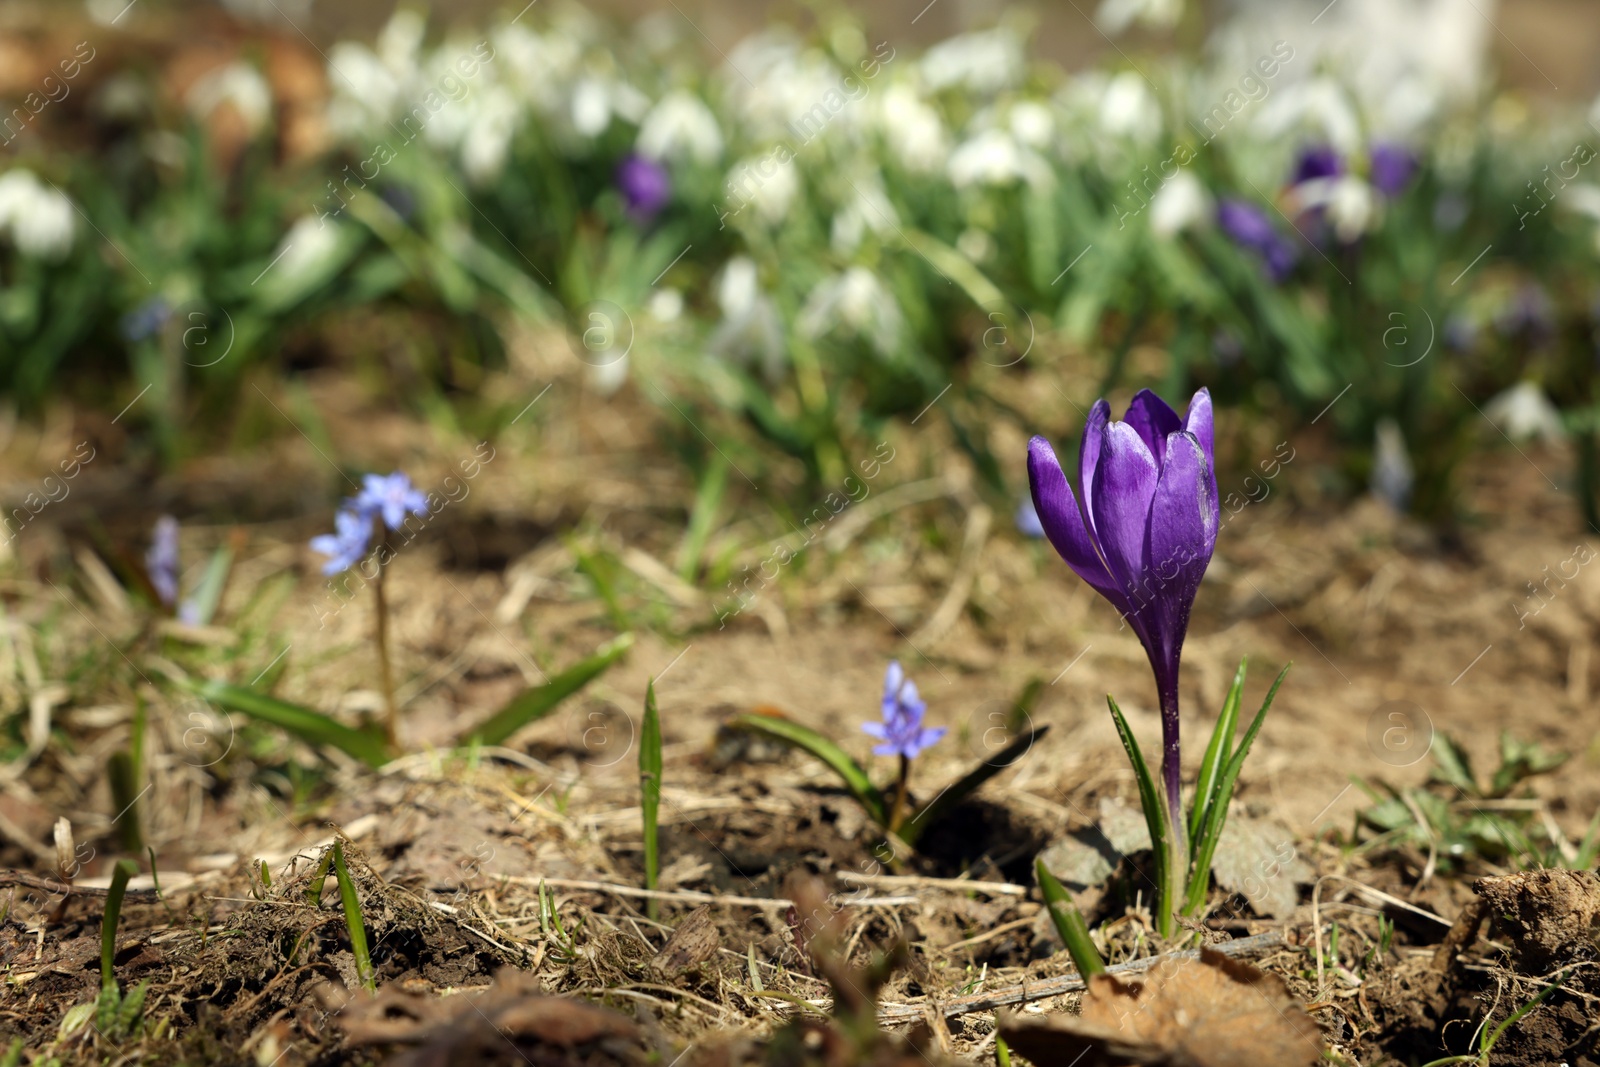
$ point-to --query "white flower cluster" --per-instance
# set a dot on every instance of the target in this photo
(38, 217)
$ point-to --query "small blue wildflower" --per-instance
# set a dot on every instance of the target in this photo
(347, 545)
(1027, 519)
(901, 730)
(146, 320)
(161, 561)
(392, 496)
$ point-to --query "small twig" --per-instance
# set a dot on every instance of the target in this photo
(996, 932)
(689, 896)
(911, 881)
(1243, 948)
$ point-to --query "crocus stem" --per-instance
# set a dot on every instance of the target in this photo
(1171, 768)
(897, 809)
(1177, 866)
(385, 675)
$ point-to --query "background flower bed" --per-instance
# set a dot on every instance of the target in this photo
(814, 234)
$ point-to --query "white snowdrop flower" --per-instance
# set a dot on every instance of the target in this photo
(680, 125)
(857, 303)
(591, 107)
(912, 127)
(239, 84)
(40, 218)
(993, 157)
(975, 244)
(367, 91)
(868, 210)
(738, 287)
(1129, 109)
(1523, 412)
(1392, 475)
(666, 305)
(1032, 124)
(984, 62)
(1319, 104)
(750, 331)
(607, 378)
(1115, 16)
(400, 40)
(307, 245)
(1350, 203)
(487, 141)
(768, 183)
(1352, 208)
(1584, 198)
(1181, 202)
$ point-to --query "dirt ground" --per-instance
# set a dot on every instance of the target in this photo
(1466, 634)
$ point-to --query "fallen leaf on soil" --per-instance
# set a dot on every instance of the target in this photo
(691, 944)
(1256, 859)
(512, 1021)
(1210, 1012)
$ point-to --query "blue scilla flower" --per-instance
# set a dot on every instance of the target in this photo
(392, 496)
(345, 547)
(161, 561)
(901, 730)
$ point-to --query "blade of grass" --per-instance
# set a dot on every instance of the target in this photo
(650, 793)
(1155, 818)
(208, 594)
(1205, 846)
(352, 919)
(536, 703)
(935, 809)
(1217, 753)
(855, 779)
(120, 874)
(319, 878)
(1069, 922)
(706, 502)
(123, 780)
(308, 725)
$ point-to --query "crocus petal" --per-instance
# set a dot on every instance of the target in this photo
(1121, 503)
(1198, 421)
(1063, 521)
(1153, 419)
(1182, 536)
(1094, 429)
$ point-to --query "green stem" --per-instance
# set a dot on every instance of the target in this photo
(898, 807)
(385, 673)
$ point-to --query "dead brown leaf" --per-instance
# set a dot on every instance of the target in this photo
(691, 944)
(1210, 1012)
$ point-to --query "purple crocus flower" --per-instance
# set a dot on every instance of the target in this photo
(161, 561)
(645, 185)
(1316, 162)
(901, 730)
(392, 496)
(1390, 167)
(1250, 228)
(347, 544)
(1145, 531)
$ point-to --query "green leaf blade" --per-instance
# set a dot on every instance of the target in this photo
(539, 701)
(964, 787)
(1069, 922)
(837, 759)
(650, 792)
(1205, 845)
(311, 726)
(1217, 753)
